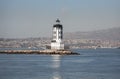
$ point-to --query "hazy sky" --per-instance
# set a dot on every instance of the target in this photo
(35, 18)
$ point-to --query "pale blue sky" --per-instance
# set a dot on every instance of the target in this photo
(35, 18)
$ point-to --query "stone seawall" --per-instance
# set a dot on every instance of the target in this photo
(47, 52)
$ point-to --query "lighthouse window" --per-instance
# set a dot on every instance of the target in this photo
(61, 32)
(60, 37)
(54, 32)
(54, 37)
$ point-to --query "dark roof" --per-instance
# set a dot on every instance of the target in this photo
(58, 20)
(58, 25)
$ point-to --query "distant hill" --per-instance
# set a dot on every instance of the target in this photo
(106, 34)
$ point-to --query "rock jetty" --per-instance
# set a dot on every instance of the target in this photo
(47, 52)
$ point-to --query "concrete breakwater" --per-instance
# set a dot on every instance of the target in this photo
(47, 52)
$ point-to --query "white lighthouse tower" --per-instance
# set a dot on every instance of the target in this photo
(57, 36)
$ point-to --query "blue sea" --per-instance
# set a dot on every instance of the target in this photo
(91, 64)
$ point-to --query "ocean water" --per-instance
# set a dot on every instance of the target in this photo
(91, 64)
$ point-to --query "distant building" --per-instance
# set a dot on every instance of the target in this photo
(57, 36)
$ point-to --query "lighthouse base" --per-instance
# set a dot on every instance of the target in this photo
(57, 46)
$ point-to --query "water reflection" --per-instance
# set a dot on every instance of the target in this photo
(56, 66)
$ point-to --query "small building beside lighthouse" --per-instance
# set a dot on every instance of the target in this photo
(57, 36)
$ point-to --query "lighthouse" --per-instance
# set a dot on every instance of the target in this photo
(57, 36)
